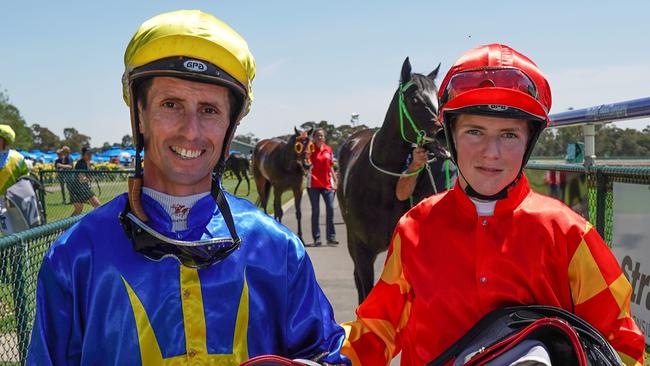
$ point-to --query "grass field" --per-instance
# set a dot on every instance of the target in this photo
(107, 190)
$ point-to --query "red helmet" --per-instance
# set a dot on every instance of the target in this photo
(496, 80)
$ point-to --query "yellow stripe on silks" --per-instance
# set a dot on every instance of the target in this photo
(240, 341)
(628, 361)
(193, 316)
(588, 227)
(194, 326)
(621, 291)
(347, 348)
(405, 316)
(393, 273)
(584, 275)
(149, 349)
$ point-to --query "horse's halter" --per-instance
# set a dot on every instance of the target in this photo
(421, 135)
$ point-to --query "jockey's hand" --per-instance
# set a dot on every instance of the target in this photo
(419, 159)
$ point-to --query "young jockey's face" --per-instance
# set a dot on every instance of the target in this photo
(489, 151)
(184, 125)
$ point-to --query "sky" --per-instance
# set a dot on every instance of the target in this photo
(61, 61)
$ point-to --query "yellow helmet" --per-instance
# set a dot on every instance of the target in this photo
(7, 133)
(192, 45)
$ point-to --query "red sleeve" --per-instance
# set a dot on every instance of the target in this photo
(374, 338)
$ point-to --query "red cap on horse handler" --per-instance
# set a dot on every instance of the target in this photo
(495, 80)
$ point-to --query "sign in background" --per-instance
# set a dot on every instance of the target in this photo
(631, 246)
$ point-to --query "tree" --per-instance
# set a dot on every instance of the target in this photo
(248, 138)
(44, 139)
(10, 115)
(74, 139)
(127, 141)
(335, 135)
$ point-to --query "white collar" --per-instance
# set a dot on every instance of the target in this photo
(483, 208)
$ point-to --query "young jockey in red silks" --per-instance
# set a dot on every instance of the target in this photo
(490, 242)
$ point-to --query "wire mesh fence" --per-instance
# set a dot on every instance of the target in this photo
(588, 190)
(71, 192)
(20, 258)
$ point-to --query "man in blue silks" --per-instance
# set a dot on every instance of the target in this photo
(176, 271)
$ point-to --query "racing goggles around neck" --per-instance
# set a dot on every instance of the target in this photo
(501, 77)
(195, 254)
(298, 147)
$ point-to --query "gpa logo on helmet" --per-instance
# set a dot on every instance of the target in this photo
(498, 107)
(195, 65)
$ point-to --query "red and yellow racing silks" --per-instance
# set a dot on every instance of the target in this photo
(447, 267)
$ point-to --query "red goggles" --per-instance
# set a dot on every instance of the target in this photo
(507, 78)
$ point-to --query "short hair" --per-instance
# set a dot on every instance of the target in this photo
(85, 150)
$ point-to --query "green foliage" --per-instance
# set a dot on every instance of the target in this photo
(44, 139)
(611, 141)
(127, 141)
(248, 138)
(334, 135)
(74, 139)
(10, 115)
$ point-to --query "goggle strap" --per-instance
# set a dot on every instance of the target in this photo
(224, 208)
(135, 190)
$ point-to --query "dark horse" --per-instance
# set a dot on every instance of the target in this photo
(282, 165)
(366, 196)
(239, 166)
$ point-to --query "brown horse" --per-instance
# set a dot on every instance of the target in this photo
(371, 163)
(239, 166)
(282, 165)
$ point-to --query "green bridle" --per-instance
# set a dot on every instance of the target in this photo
(403, 112)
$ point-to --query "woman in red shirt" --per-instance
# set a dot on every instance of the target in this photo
(322, 182)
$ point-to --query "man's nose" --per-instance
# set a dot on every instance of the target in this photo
(191, 125)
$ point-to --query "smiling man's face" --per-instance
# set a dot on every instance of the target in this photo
(184, 124)
(489, 151)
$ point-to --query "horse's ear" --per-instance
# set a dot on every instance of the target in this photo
(296, 131)
(406, 71)
(432, 75)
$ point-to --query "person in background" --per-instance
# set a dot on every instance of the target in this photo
(79, 185)
(322, 181)
(12, 167)
(556, 181)
(443, 179)
(63, 162)
(490, 242)
(12, 163)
